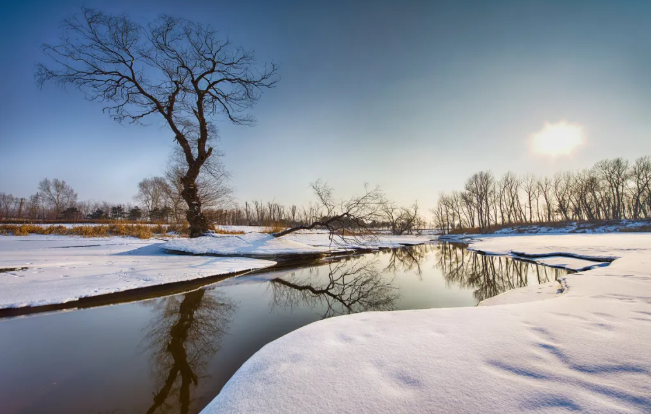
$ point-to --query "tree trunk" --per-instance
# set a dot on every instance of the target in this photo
(198, 222)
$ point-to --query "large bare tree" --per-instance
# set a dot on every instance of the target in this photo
(177, 69)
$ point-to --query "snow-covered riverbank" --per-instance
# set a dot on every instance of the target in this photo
(254, 244)
(46, 270)
(578, 345)
(59, 269)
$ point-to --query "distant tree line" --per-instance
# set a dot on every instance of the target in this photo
(57, 201)
(612, 189)
(159, 199)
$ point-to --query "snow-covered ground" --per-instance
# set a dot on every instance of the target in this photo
(60, 269)
(299, 243)
(250, 244)
(583, 344)
(322, 239)
(260, 229)
(612, 226)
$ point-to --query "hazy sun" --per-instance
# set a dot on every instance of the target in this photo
(557, 139)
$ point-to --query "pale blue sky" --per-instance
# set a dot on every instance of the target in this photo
(411, 96)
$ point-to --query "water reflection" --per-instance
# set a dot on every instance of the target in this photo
(351, 286)
(408, 258)
(183, 336)
(368, 283)
(489, 275)
(96, 359)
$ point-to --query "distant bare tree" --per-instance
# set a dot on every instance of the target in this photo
(171, 67)
(152, 193)
(545, 189)
(350, 217)
(401, 219)
(641, 189)
(480, 188)
(6, 205)
(57, 194)
(615, 174)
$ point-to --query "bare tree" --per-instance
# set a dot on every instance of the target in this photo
(6, 205)
(212, 182)
(530, 187)
(353, 215)
(171, 67)
(641, 190)
(545, 189)
(152, 193)
(401, 219)
(57, 194)
(480, 188)
(615, 174)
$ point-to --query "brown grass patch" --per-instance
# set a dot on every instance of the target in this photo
(140, 231)
(275, 227)
(231, 232)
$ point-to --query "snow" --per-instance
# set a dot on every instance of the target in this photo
(577, 227)
(299, 243)
(322, 239)
(254, 244)
(60, 269)
(579, 345)
(50, 269)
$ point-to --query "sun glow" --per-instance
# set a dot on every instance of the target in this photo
(557, 139)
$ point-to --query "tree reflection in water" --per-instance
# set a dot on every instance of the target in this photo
(489, 275)
(184, 335)
(351, 286)
(361, 284)
(408, 258)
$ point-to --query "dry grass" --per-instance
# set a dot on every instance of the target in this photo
(223, 231)
(275, 227)
(133, 230)
(141, 231)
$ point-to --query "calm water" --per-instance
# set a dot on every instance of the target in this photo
(174, 354)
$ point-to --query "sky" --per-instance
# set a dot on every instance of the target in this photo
(411, 96)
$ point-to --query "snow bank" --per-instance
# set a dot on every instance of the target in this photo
(577, 227)
(300, 243)
(538, 350)
(322, 239)
(249, 244)
(60, 269)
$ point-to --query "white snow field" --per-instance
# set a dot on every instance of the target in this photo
(60, 269)
(322, 239)
(536, 349)
(260, 244)
(49, 270)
